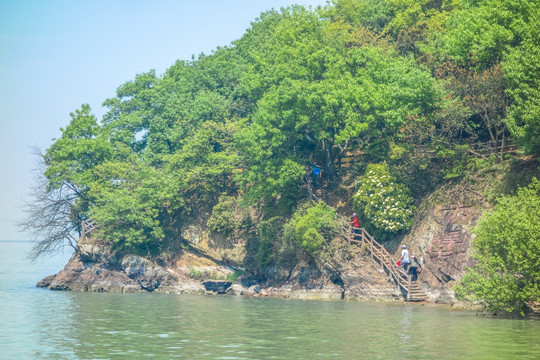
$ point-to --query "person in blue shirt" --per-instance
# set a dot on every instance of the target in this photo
(316, 175)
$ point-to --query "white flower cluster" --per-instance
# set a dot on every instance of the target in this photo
(384, 202)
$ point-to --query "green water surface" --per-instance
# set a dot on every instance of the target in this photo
(44, 324)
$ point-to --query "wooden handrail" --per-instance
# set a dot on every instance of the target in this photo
(383, 256)
(483, 149)
(87, 226)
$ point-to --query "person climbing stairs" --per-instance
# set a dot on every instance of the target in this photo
(412, 289)
(314, 181)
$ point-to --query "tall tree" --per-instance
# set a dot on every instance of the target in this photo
(506, 273)
(51, 215)
(317, 95)
(72, 158)
(61, 195)
(483, 93)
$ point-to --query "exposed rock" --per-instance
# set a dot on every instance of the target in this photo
(236, 289)
(440, 238)
(362, 280)
(219, 247)
(93, 267)
(446, 296)
(147, 274)
(217, 286)
(46, 281)
(187, 287)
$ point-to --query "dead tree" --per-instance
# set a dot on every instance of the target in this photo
(51, 215)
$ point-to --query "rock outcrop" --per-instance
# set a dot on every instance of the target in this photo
(440, 238)
(94, 267)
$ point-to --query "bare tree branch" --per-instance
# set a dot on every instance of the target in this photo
(51, 216)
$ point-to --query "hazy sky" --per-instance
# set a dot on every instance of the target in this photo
(57, 55)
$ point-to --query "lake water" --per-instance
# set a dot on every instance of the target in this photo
(43, 324)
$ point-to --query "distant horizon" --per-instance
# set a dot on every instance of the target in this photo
(17, 240)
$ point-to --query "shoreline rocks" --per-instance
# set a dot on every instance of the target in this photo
(363, 281)
(94, 268)
(217, 286)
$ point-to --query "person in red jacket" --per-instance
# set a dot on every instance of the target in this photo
(355, 225)
(355, 221)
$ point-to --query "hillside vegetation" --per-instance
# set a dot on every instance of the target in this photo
(421, 92)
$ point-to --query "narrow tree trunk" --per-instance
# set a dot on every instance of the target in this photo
(486, 119)
(329, 163)
(307, 179)
(502, 147)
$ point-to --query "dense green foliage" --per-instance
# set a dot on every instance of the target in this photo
(522, 67)
(310, 226)
(507, 270)
(423, 91)
(485, 33)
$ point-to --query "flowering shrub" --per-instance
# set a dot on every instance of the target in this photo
(383, 203)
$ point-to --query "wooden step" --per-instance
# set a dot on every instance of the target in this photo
(388, 262)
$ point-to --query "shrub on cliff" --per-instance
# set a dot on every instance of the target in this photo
(506, 274)
(224, 219)
(311, 226)
(383, 203)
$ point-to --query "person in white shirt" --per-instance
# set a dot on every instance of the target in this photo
(404, 259)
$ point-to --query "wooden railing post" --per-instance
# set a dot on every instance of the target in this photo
(409, 283)
(371, 245)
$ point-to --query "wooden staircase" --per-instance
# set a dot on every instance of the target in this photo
(416, 291)
(315, 193)
(412, 290)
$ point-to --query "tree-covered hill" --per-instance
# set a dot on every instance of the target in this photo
(421, 91)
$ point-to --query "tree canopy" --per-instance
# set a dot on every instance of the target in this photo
(507, 270)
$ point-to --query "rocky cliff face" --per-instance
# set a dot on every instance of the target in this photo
(94, 267)
(440, 238)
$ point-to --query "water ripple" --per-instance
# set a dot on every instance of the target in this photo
(41, 324)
